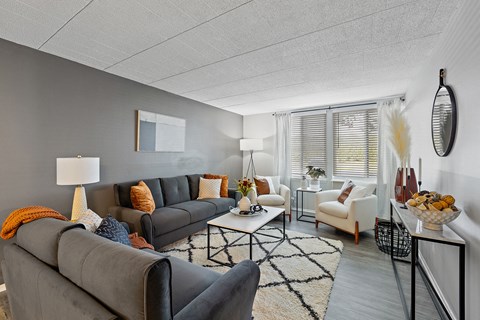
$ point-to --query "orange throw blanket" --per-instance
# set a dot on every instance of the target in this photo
(26, 215)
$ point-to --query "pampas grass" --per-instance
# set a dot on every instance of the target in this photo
(399, 134)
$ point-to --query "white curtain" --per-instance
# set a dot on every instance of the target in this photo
(281, 150)
(387, 161)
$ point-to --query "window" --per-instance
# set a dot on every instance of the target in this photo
(342, 141)
(355, 143)
(308, 142)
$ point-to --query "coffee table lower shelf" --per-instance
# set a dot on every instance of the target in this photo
(245, 233)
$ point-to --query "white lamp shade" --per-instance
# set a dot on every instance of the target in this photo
(77, 171)
(251, 144)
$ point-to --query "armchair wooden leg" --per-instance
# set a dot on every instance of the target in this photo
(290, 217)
(356, 232)
(316, 223)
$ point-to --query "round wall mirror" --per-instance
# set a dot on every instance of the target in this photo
(444, 118)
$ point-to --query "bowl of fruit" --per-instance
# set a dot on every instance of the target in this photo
(433, 209)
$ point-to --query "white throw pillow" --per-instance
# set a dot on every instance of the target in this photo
(345, 185)
(90, 220)
(209, 188)
(273, 183)
(356, 193)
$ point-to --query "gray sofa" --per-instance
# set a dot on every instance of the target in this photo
(178, 213)
(58, 270)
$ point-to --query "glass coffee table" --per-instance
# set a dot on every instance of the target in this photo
(246, 225)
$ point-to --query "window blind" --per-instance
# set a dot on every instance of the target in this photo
(308, 142)
(355, 143)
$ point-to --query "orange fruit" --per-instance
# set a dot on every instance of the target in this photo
(448, 199)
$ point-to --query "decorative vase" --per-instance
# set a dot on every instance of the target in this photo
(410, 188)
(304, 182)
(244, 204)
(315, 184)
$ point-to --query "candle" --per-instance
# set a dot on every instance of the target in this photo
(404, 174)
(408, 167)
(419, 169)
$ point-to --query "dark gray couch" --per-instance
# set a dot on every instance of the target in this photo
(178, 214)
(58, 270)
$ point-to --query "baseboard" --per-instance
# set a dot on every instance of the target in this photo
(435, 285)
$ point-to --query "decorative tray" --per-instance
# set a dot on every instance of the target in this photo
(237, 212)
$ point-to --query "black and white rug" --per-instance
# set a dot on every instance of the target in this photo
(295, 281)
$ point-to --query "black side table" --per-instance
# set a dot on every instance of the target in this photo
(302, 216)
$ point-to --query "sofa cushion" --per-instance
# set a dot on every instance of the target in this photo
(142, 198)
(224, 184)
(198, 210)
(222, 204)
(270, 200)
(134, 284)
(167, 219)
(334, 208)
(123, 192)
(111, 229)
(188, 281)
(175, 190)
(193, 183)
(40, 238)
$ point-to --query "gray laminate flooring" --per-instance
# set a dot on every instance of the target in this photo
(365, 286)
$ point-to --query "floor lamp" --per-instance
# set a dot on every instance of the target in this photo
(251, 145)
(78, 171)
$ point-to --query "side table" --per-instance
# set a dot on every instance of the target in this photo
(302, 215)
(446, 237)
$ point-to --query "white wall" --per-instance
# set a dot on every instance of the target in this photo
(261, 126)
(459, 173)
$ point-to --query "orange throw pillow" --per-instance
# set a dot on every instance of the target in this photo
(142, 198)
(262, 186)
(344, 195)
(223, 186)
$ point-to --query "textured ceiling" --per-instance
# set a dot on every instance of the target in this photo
(243, 56)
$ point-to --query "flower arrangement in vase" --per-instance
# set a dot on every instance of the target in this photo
(244, 186)
(315, 173)
(399, 137)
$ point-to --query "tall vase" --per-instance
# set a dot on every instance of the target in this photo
(410, 188)
(244, 204)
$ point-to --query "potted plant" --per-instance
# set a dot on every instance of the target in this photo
(315, 173)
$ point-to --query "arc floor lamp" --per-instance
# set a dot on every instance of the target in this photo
(251, 145)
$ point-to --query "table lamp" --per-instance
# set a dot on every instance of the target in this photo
(78, 171)
(251, 145)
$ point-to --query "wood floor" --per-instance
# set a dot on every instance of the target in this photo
(365, 286)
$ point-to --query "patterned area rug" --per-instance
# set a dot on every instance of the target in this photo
(296, 279)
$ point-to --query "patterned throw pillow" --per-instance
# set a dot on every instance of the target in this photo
(209, 188)
(111, 229)
(223, 186)
(346, 191)
(262, 186)
(142, 198)
(90, 220)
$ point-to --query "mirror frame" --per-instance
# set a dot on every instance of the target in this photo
(454, 115)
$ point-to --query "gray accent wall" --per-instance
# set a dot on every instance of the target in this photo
(51, 107)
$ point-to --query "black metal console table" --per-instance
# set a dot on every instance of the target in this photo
(418, 233)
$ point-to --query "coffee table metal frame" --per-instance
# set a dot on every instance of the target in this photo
(212, 223)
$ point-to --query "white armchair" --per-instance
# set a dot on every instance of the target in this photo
(279, 200)
(354, 218)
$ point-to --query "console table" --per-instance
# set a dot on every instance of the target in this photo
(302, 192)
(447, 237)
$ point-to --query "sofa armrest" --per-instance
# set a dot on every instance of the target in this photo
(364, 210)
(285, 194)
(327, 195)
(234, 194)
(138, 221)
(230, 297)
